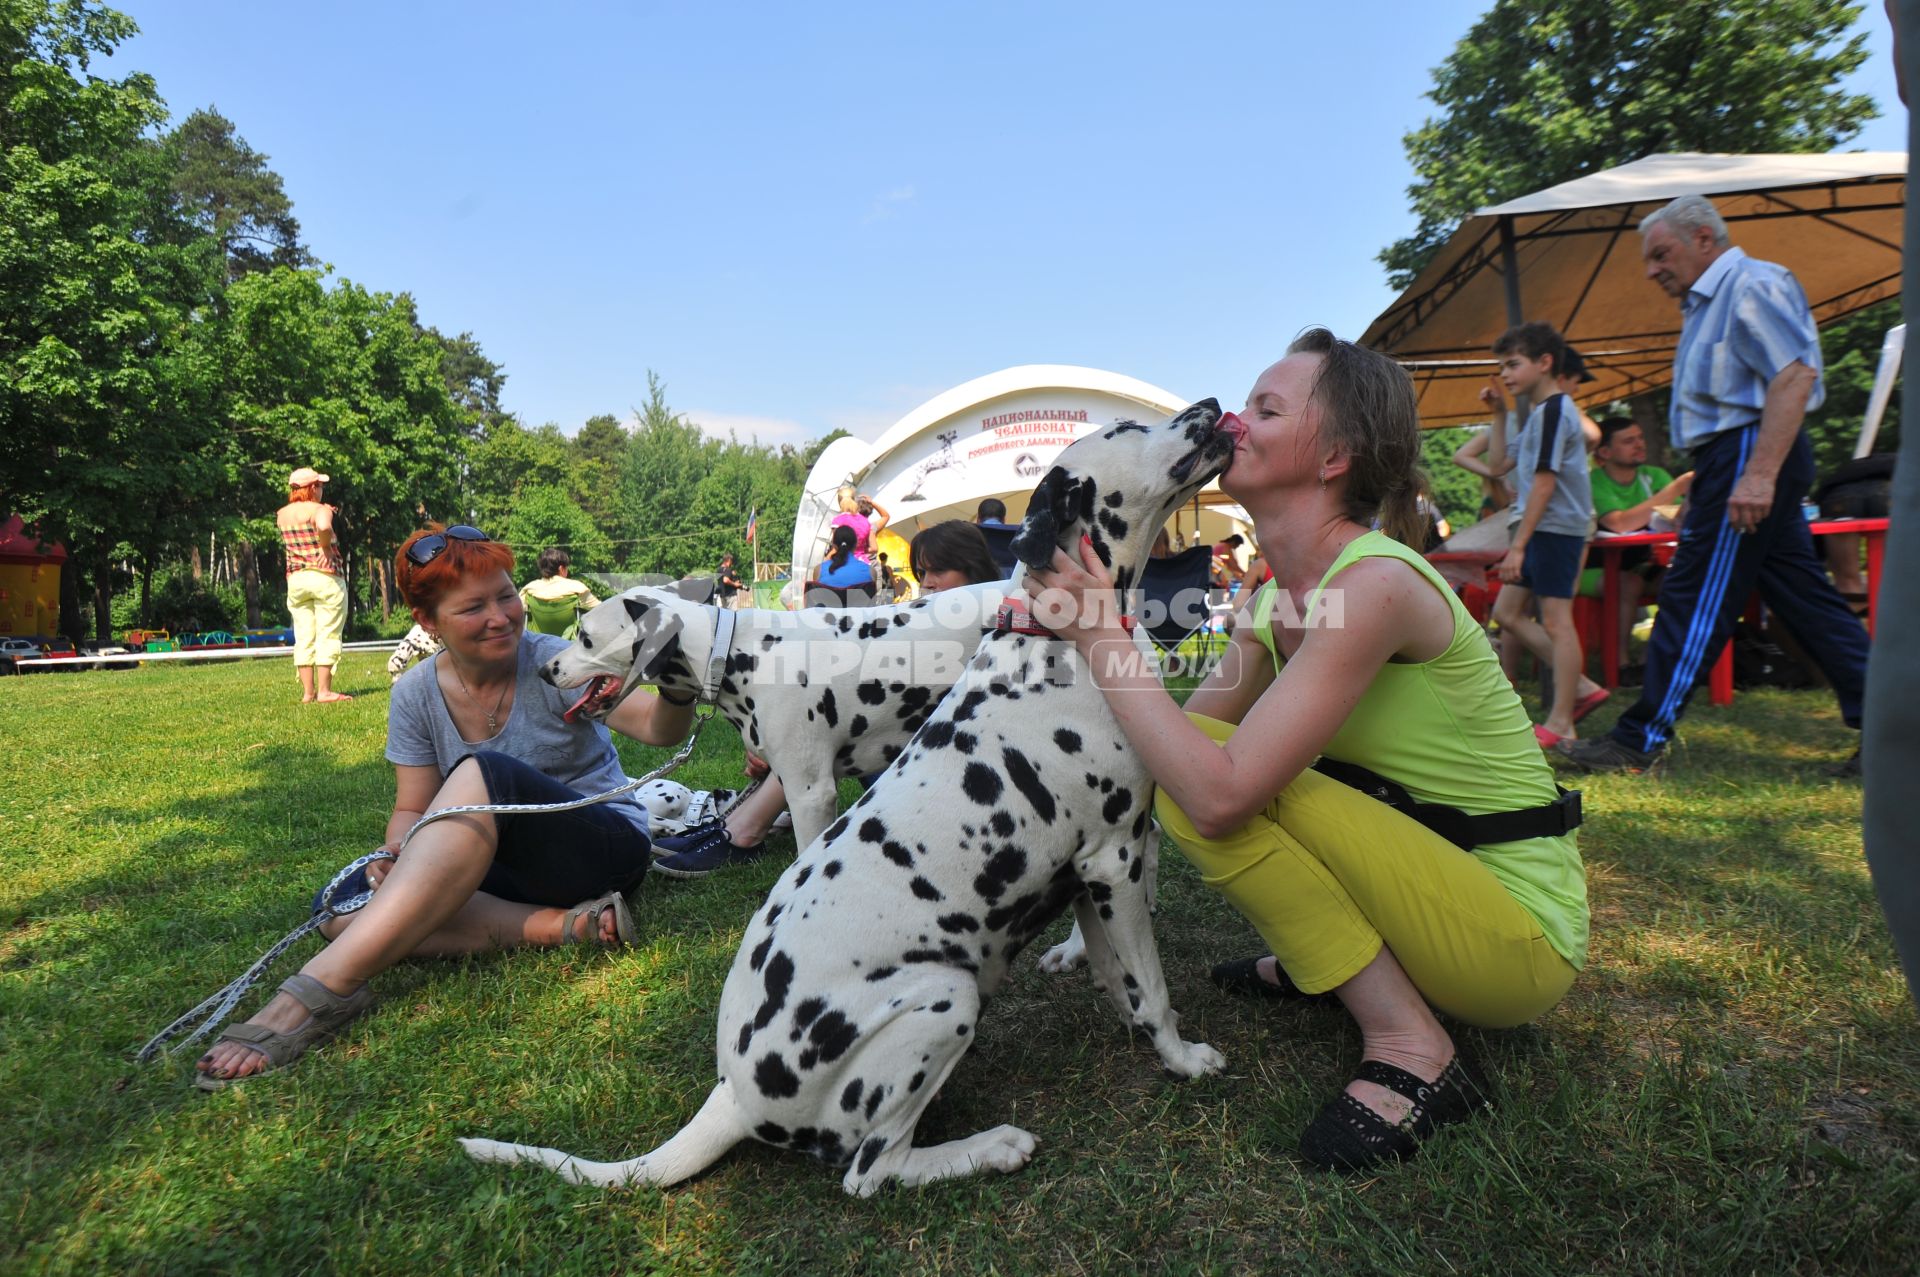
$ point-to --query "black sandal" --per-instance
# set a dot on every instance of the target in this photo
(1349, 1136)
(1242, 978)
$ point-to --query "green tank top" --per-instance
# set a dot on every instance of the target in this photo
(1452, 730)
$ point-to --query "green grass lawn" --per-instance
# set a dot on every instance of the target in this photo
(1732, 1086)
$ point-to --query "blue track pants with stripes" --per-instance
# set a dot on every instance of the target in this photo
(1716, 568)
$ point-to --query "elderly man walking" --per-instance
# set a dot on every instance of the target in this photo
(1746, 371)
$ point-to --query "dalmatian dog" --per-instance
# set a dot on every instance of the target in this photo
(418, 645)
(820, 693)
(860, 981)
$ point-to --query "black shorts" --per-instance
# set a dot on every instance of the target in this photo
(555, 859)
(1551, 564)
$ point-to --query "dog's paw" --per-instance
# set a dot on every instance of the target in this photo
(1006, 1149)
(1192, 1059)
(1069, 955)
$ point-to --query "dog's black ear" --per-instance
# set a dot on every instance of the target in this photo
(1051, 510)
(636, 608)
(698, 590)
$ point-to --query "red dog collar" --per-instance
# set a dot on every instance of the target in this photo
(1014, 618)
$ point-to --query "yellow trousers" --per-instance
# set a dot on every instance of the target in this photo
(318, 601)
(1327, 875)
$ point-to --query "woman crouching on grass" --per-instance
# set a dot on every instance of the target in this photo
(474, 724)
(1357, 653)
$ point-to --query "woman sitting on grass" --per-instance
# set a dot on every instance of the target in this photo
(1367, 660)
(474, 724)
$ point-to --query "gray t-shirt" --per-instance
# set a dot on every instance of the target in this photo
(1551, 440)
(580, 755)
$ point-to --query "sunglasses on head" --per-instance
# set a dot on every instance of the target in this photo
(428, 548)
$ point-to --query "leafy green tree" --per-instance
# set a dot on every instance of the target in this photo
(666, 459)
(474, 381)
(599, 457)
(226, 190)
(99, 417)
(544, 515)
(1543, 91)
(508, 459)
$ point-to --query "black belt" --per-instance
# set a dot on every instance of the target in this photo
(1560, 816)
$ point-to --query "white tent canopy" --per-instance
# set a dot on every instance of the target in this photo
(1569, 255)
(994, 436)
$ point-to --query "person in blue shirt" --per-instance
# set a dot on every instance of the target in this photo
(844, 569)
(1745, 373)
(1555, 509)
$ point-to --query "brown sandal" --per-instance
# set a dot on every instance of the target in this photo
(328, 1014)
(624, 933)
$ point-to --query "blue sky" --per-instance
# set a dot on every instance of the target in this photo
(810, 217)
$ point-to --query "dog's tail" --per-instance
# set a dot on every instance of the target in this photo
(717, 1127)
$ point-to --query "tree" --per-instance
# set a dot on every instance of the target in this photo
(544, 515)
(226, 190)
(1543, 91)
(99, 398)
(599, 456)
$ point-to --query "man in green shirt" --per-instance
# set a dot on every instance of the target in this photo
(1626, 493)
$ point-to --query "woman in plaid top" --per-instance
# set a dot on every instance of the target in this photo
(316, 595)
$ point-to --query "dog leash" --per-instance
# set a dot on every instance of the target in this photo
(213, 1012)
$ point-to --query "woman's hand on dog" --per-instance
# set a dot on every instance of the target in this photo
(1076, 600)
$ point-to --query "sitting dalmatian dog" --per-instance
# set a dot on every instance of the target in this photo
(859, 983)
(802, 696)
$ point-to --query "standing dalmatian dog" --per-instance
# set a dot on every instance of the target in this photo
(418, 645)
(820, 693)
(859, 983)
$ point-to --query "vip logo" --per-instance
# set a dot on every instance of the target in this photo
(1027, 466)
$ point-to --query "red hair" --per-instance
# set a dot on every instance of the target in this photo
(460, 561)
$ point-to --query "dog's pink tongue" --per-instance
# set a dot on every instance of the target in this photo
(574, 709)
(1233, 426)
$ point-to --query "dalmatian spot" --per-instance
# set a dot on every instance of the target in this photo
(838, 827)
(800, 879)
(961, 1030)
(828, 710)
(926, 890)
(936, 735)
(804, 1139)
(779, 979)
(746, 1037)
(1114, 524)
(806, 1013)
(878, 974)
(846, 624)
(857, 728)
(872, 629)
(1002, 870)
(831, 869)
(873, 1101)
(800, 678)
(850, 1098)
(1099, 892)
(915, 1082)
(902, 619)
(1118, 804)
(965, 741)
(982, 784)
(774, 911)
(830, 1150)
(1067, 741)
(872, 692)
(873, 829)
(1134, 870)
(1003, 823)
(771, 1132)
(1027, 781)
(972, 701)
(1093, 781)
(941, 1007)
(759, 956)
(774, 1078)
(832, 1034)
(897, 854)
(958, 922)
(1140, 823)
